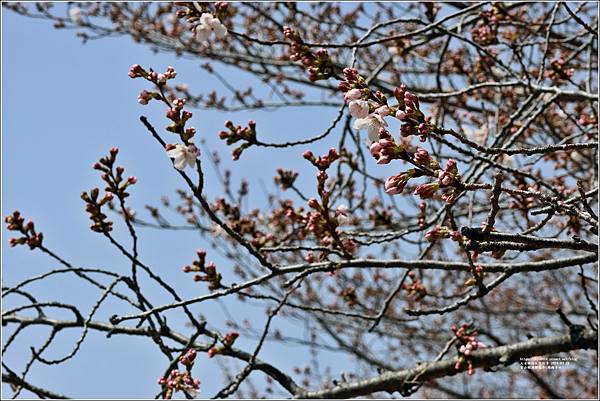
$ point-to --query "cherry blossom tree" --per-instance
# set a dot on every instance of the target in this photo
(449, 233)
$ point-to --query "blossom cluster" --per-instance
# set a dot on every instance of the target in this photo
(179, 117)
(228, 341)
(323, 226)
(116, 185)
(159, 79)
(208, 270)
(478, 275)
(113, 176)
(423, 159)
(16, 222)
(367, 107)
(486, 31)
(349, 296)
(558, 71)
(238, 133)
(318, 64)
(182, 154)
(100, 222)
(385, 149)
(588, 120)
(441, 232)
(370, 108)
(467, 343)
(285, 178)
(244, 225)
(205, 23)
(321, 221)
(181, 381)
(415, 288)
(322, 162)
(414, 121)
(446, 178)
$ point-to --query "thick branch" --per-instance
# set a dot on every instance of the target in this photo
(490, 357)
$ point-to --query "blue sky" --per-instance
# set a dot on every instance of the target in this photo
(64, 105)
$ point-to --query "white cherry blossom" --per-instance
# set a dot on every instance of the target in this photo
(341, 213)
(183, 155)
(372, 123)
(359, 108)
(209, 24)
(75, 15)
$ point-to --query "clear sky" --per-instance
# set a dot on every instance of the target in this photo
(64, 105)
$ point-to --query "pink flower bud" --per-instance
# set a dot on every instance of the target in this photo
(322, 53)
(161, 79)
(399, 92)
(444, 178)
(179, 103)
(396, 183)
(170, 73)
(353, 94)
(190, 132)
(173, 114)
(383, 150)
(422, 156)
(135, 71)
(313, 203)
(426, 191)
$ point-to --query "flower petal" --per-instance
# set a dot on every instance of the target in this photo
(179, 163)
